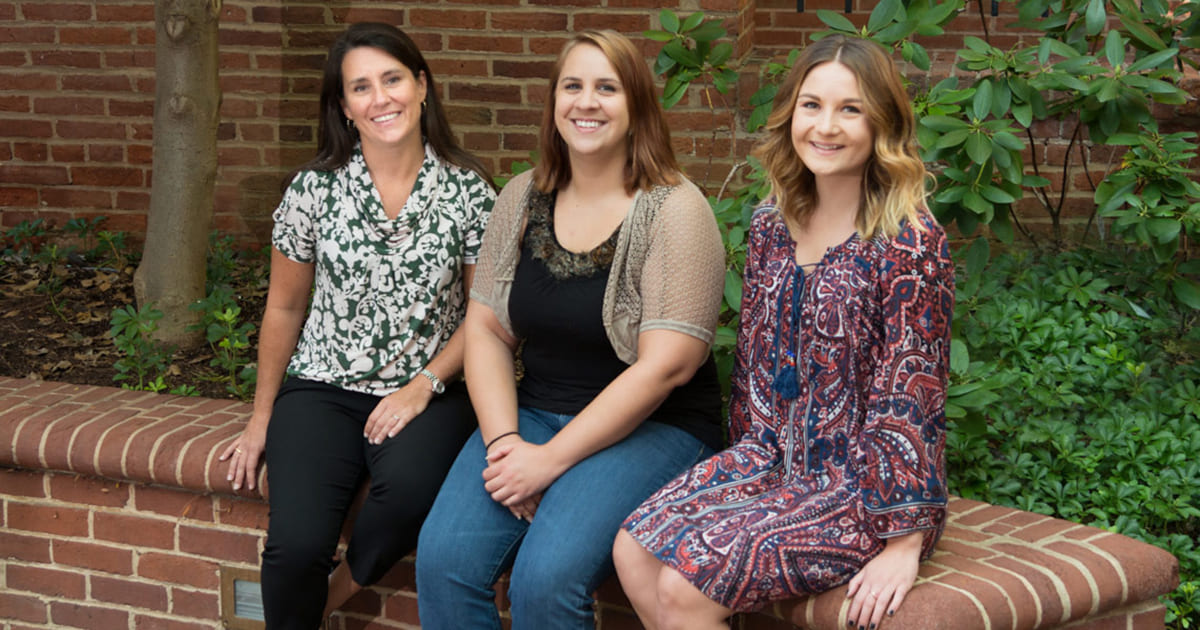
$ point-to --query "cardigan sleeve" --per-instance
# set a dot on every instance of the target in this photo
(498, 252)
(683, 277)
(902, 446)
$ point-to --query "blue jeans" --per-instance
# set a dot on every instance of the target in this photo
(557, 561)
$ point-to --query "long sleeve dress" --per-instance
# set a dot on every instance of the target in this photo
(834, 452)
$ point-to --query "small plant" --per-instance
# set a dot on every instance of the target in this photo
(145, 361)
(23, 239)
(229, 339)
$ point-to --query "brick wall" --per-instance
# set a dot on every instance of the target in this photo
(77, 84)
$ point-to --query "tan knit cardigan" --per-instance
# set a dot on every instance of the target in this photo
(668, 271)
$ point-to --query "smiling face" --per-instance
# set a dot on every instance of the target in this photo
(382, 97)
(590, 111)
(830, 129)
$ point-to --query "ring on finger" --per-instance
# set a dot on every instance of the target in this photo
(395, 416)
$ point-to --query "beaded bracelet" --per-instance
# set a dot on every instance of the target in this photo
(489, 444)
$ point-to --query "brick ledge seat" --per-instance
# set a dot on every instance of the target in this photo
(995, 567)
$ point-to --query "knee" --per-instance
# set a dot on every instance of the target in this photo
(295, 552)
(676, 600)
(549, 587)
(626, 553)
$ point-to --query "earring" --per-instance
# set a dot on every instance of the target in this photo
(349, 124)
(422, 104)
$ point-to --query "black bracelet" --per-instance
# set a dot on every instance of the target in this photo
(489, 444)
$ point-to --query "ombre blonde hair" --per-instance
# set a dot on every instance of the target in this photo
(893, 186)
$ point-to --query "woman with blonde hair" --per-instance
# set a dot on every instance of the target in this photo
(837, 416)
(602, 269)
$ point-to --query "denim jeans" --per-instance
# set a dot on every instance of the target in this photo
(561, 557)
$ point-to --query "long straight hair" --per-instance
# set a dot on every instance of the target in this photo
(650, 160)
(893, 186)
(336, 138)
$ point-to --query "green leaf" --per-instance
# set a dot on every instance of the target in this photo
(977, 258)
(1023, 114)
(658, 36)
(1095, 18)
(733, 290)
(1008, 141)
(708, 32)
(996, 195)
(1187, 292)
(982, 103)
(960, 357)
(720, 53)
(1114, 44)
(943, 123)
(1163, 229)
(918, 56)
(691, 22)
(979, 147)
(670, 21)
(884, 13)
(836, 21)
(1143, 33)
(1153, 60)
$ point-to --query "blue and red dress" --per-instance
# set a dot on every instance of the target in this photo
(837, 421)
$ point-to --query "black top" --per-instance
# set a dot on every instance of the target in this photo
(555, 309)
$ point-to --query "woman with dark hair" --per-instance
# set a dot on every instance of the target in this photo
(382, 230)
(837, 411)
(603, 268)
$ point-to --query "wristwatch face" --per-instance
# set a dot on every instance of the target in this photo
(438, 387)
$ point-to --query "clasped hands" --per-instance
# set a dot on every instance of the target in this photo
(517, 474)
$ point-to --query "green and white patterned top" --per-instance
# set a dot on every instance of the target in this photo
(388, 292)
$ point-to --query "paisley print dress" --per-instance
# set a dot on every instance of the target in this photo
(836, 421)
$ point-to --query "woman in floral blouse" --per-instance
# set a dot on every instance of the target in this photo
(837, 471)
(382, 229)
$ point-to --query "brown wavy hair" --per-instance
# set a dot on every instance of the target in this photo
(893, 186)
(650, 160)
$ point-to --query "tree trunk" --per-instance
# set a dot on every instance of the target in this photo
(187, 100)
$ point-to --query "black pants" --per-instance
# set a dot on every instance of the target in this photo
(316, 459)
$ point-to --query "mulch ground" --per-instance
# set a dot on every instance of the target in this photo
(54, 326)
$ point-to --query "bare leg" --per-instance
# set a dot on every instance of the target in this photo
(638, 571)
(681, 606)
(341, 588)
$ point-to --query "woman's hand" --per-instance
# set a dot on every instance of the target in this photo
(517, 471)
(883, 583)
(245, 453)
(397, 409)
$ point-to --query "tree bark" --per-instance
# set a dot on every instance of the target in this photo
(187, 101)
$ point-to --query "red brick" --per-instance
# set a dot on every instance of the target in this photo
(24, 548)
(143, 108)
(53, 11)
(91, 556)
(13, 59)
(484, 43)
(178, 569)
(88, 490)
(61, 521)
(87, 130)
(19, 104)
(103, 36)
(195, 604)
(222, 545)
(621, 22)
(27, 35)
(74, 615)
(67, 584)
(22, 128)
(129, 592)
(73, 152)
(487, 93)
(106, 153)
(509, 21)
(134, 530)
(370, 14)
(66, 58)
(30, 83)
(107, 176)
(149, 622)
(24, 483)
(17, 197)
(448, 18)
(125, 13)
(259, 39)
(30, 152)
(23, 608)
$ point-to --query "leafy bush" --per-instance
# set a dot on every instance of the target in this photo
(1095, 395)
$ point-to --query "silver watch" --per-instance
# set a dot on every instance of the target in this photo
(438, 385)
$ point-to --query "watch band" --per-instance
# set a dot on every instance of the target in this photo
(438, 386)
